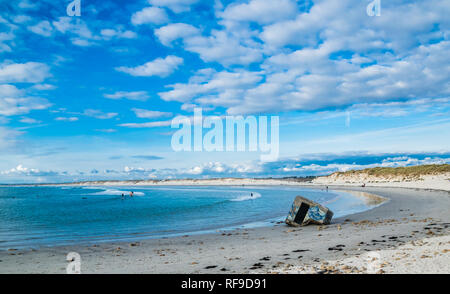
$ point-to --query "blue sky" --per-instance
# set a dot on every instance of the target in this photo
(92, 97)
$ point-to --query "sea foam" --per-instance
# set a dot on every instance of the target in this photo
(117, 192)
(247, 197)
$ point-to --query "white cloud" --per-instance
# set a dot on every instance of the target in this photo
(401, 26)
(74, 26)
(144, 113)
(106, 130)
(43, 28)
(224, 48)
(332, 55)
(80, 34)
(29, 72)
(108, 34)
(9, 91)
(153, 15)
(136, 95)
(220, 46)
(26, 4)
(20, 169)
(222, 169)
(74, 116)
(7, 35)
(28, 120)
(6, 38)
(69, 119)
(221, 88)
(82, 42)
(8, 138)
(176, 6)
(161, 67)
(316, 169)
(260, 11)
(171, 32)
(22, 18)
(153, 124)
(398, 109)
(99, 114)
(43, 87)
(134, 169)
(14, 101)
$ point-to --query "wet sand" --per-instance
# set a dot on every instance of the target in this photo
(409, 217)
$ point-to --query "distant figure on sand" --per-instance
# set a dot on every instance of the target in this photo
(327, 188)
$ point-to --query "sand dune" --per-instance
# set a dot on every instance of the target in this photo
(435, 182)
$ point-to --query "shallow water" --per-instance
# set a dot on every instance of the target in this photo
(31, 217)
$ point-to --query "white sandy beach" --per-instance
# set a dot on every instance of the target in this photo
(413, 221)
(435, 182)
(428, 255)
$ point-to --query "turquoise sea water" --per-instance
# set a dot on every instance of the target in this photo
(31, 217)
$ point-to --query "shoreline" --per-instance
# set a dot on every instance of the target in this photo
(409, 215)
(433, 182)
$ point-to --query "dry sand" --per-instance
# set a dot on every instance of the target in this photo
(410, 215)
(435, 182)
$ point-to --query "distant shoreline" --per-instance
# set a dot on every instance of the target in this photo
(435, 177)
(206, 182)
(429, 182)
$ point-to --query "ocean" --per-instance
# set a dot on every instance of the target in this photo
(33, 217)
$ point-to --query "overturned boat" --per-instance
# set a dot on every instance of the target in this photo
(305, 211)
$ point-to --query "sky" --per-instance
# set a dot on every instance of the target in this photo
(92, 97)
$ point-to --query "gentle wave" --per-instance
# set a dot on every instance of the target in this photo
(332, 200)
(247, 197)
(117, 192)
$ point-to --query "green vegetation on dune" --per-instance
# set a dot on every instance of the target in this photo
(408, 171)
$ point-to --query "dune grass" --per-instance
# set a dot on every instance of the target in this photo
(408, 171)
